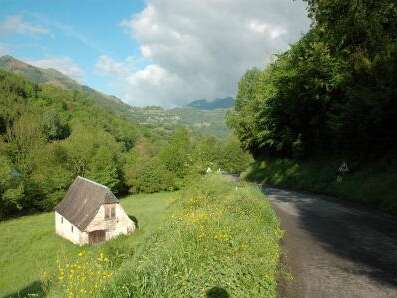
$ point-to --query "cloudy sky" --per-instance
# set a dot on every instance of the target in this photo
(153, 52)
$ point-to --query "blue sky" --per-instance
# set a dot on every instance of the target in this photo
(154, 51)
(80, 30)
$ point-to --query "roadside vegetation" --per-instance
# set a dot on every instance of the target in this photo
(327, 101)
(370, 183)
(221, 239)
(214, 238)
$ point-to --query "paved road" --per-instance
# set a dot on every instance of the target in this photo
(335, 250)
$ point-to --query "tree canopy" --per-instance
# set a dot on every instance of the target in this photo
(333, 91)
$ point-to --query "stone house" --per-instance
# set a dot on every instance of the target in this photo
(90, 213)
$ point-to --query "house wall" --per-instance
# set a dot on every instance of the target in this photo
(64, 229)
(120, 225)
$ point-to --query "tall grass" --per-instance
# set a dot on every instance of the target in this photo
(221, 239)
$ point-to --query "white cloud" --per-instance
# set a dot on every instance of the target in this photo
(64, 65)
(108, 66)
(201, 48)
(266, 29)
(17, 25)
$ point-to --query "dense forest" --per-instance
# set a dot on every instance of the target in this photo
(49, 135)
(334, 90)
(330, 96)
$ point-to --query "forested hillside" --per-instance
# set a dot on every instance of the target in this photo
(206, 122)
(329, 100)
(49, 135)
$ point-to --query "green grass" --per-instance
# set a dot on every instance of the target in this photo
(369, 183)
(219, 242)
(29, 244)
(215, 238)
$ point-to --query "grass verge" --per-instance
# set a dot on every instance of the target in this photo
(221, 240)
(371, 183)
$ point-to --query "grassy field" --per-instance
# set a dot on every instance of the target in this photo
(29, 244)
(370, 183)
(215, 238)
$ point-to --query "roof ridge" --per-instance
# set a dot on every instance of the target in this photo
(93, 182)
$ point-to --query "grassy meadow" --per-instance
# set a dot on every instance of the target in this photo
(215, 238)
(29, 245)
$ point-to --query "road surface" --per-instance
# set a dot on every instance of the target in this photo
(333, 249)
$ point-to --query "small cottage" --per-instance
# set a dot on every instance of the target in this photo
(90, 213)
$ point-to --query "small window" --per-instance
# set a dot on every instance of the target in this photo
(61, 219)
(72, 229)
(107, 212)
(110, 212)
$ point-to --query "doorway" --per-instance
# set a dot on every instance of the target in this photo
(97, 236)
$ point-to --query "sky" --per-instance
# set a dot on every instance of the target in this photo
(153, 52)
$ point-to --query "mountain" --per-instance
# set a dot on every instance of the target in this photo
(219, 103)
(36, 74)
(205, 117)
(53, 77)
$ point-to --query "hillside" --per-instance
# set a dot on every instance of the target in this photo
(192, 243)
(321, 115)
(49, 135)
(206, 122)
(206, 119)
(53, 77)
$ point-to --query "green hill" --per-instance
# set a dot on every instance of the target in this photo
(53, 77)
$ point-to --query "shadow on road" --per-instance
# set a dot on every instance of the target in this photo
(368, 240)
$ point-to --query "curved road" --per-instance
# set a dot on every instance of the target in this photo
(333, 249)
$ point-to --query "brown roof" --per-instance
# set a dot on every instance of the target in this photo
(83, 200)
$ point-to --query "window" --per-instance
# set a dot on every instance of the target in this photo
(110, 212)
(72, 229)
(62, 220)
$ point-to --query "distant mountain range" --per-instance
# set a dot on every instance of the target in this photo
(219, 103)
(206, 117)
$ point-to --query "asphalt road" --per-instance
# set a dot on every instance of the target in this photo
(334, 249)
